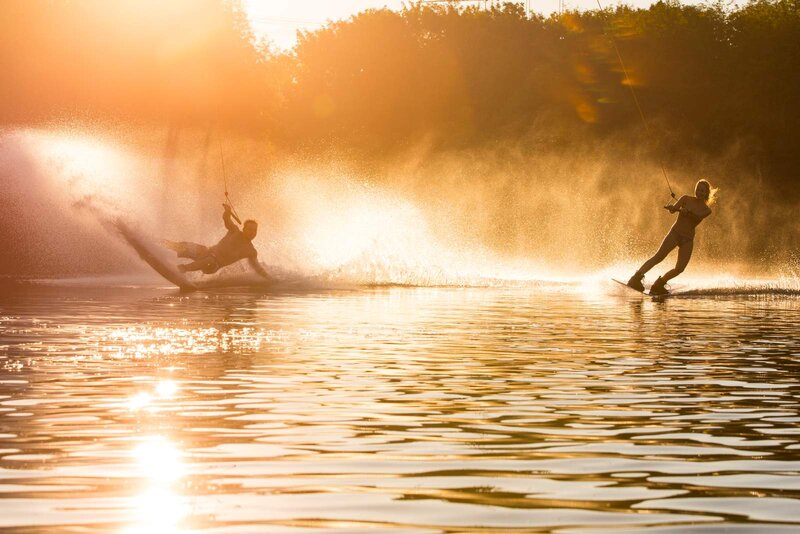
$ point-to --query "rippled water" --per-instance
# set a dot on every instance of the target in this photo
(402, 410)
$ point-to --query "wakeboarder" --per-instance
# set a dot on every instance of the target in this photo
(237, 244)
(691, 211)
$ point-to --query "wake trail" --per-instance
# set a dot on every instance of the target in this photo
(740, 291)
(366, 272)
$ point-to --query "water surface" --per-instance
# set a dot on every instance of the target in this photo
(398, 410)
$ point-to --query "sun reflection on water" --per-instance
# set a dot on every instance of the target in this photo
(139, 401)
(159, 459)
(166, 389)
(444, 407)
(158, 507)
(142, 342)
(158, 510)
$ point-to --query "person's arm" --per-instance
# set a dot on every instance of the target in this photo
(678, 206)
(697, 216)
(691, 209)
(253, 260)
(227, 218)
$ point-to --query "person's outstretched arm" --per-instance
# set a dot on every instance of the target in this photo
(253, 260)
(227, 218)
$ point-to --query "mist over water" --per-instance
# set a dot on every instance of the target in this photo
(482, 217)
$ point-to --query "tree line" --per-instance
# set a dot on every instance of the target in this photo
(707, 77)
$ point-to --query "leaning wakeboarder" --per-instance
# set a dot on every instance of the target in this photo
(237, 244)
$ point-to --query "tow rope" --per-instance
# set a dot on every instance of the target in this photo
(629, 83)
(225, 182)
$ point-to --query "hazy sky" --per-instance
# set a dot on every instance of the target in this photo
(278, 20)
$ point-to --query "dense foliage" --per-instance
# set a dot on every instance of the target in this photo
(184, 60)
(707, 77)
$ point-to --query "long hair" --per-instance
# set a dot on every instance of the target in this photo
(712, 191)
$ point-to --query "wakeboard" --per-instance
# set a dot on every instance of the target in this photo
(155, 256)
(629, 288)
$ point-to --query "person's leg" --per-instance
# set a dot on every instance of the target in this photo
(207, 264)
(684, 255)
(189, 250)
(669, 243)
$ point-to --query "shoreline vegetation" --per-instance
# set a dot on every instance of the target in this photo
(383, 81)
(513, 131)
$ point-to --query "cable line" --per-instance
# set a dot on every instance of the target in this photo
(636, 101)
(225, 182)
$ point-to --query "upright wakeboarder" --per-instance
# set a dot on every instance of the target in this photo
(691, 211)
(237, 244)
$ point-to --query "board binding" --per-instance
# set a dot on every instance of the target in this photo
(645, 293)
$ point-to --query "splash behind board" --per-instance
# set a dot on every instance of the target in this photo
(155, 257)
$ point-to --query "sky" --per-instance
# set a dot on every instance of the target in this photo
(279, 20)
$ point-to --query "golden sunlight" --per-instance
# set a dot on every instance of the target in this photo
(394, 265)
(166, 388)
(158, 510)
(76, 150)
(87, 163)
(159, 459)
(279, 22)
(139, 401)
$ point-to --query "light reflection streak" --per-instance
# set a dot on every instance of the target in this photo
(159, 460)
(142, 342)
(139, 401)
(166, 388)
(158, 508)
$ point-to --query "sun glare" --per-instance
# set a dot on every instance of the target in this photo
(166, 388)
(139, 401)
(159, 459)
(158, 508)
(279, 22)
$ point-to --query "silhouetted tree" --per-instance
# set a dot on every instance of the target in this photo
(707, 76)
